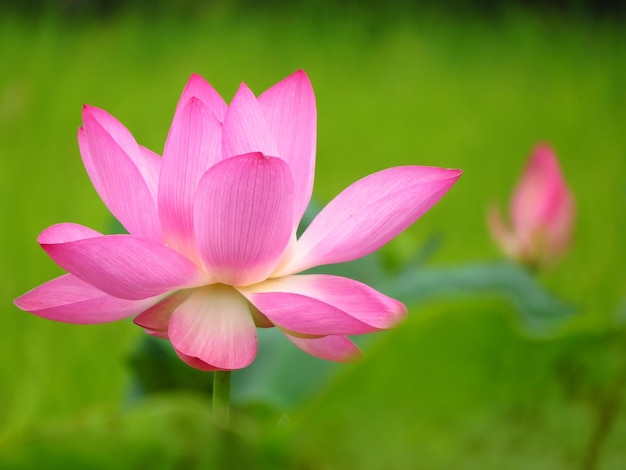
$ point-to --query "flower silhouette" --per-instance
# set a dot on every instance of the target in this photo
(211, 251)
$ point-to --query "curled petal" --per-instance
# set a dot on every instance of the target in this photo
(193, 145)
(69, 299)
(156, 318)
(120, 265)
(124, 174)
(245, 127)
(324, 305)
(214, 325)
(243, 217)
(331, 348)
(196, 363)
(368, 214)
(289, 109)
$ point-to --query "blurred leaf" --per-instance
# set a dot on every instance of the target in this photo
(156, 368)
(164, 431)
(282, 374)
(459, 387)
(540, 311)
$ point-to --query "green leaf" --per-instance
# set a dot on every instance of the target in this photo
(540, 311)
(459, 387)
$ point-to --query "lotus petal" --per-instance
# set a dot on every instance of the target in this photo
(331, 348)
(245, 127)
(324, 305)
(124, 175)
(243, 217)
(290, 111)
(193, 145)
(214, 325)
(121, 265)
(368, 214)
(69, 299)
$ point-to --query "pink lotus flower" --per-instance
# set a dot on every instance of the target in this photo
(212, 252)
(542, 213)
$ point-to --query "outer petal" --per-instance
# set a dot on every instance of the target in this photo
(214, 325)
(193, 145)
(502, 234)
(324, 305)
(331, 348)
(124, 174)
(368, 214)
(68, 299)
(151, 169)
(120, 265)
(245, 127)
(289, 109)
(243, 217)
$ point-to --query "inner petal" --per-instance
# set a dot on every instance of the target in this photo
(243, 217)
(215, 326)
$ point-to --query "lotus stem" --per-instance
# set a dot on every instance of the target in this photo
(221, 398)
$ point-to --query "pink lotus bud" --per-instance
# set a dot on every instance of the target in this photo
(542, 213)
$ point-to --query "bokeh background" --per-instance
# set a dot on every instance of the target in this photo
(463, 383)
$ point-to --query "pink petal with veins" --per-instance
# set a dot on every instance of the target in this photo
(120, 265)
(368, 214)
(289, 109)
(124, 175)
(245, 127)
(244, 217)
(69, 299)
(214, 325)
(193, 145)
(331, 348)
(324, 305)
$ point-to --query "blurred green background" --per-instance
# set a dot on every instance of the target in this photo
(461, 384)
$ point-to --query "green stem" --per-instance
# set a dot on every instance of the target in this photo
(221, 398)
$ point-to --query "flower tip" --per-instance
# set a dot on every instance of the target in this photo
(47, 235)
(92, 112)
(455, 173)
(300, 79)
(300, 73)
(87, 108)
(196, 79)
(19, 302)
(353, 356)
(28, 302)
(543, 148)
(402, 314)
(243, 88)
(450, 176)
